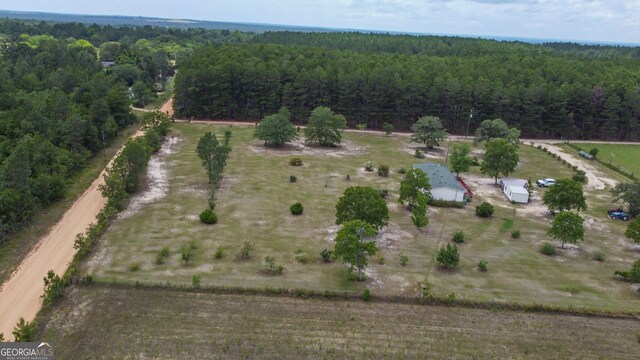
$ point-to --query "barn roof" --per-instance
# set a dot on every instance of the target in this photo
(439, 176)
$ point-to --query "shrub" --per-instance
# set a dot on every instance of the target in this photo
(134, 267)
(448, 257)
(383, 170)
(515, 234)
(366, 295)
(384, 193)
(245, 251)
(348, 178)
(381, 260)
(599, 256)
(271, 267)
(293, 178)
(195, 281)
(632, 275)
(419, 154)
(219, 254)
(458, 237)
(302, 258)
(368, 166)
(53, 288)
(208, 217)
(404, 259)
(296, 161)
(164, 253)
(188, 252)
(580, 177)
(402, 171)
(296, 209)
(361, 126)
(548, 249)
(475, 161)
(24, 331)
(446, 204)
(482, 265)
(326, 255)
(484, 210)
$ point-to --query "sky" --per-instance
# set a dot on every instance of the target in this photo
(590, 20)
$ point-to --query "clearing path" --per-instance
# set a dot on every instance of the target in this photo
(597, 179)
(20, 295)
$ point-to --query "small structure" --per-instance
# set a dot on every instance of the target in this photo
(108, 64)
(444, 185)
(515, 190)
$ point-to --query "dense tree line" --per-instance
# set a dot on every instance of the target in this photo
(543, 94)
(57, 108)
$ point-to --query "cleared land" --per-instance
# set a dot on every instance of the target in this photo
(112, 323)
(626, 156)
(253, 205)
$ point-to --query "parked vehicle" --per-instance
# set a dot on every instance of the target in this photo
(546, 182)
(618, 214)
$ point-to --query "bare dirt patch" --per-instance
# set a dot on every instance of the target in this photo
(299, 147)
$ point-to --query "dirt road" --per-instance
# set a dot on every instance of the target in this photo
(20, 294)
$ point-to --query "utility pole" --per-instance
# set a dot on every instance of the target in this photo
(469, 122)
(448, 146)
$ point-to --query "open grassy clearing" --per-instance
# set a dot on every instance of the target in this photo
(253, 205)
(623, 155)
(599, 167)
(20, 243)
(119, 323)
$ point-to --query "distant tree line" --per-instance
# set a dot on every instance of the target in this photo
(543, 93)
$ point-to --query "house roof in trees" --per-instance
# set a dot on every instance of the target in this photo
(439, 176)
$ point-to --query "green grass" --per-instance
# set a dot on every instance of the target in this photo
(19, 244)
(120, 323)
(253, 205)
(621, 155)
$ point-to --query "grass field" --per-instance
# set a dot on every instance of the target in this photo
(621, 155)
(117, 323)
(19, 244)
(253, 205)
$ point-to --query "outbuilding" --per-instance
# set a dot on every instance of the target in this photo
(515, 190)
(444, 185)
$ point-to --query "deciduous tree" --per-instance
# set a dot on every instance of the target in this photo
(354, 245)
(415, 182)
(460, 159)
(362, 203)
(325, 127)
(429, 131)
(500, 158)
(567, 227)
(565, 195)
(276, 129)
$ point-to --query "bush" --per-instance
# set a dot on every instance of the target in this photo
(458, 237)
(293, 178)
(475, 161)
(548, 249)
(271, 267)
(245, 252)
(188, 252)
(402, 171)
(208, 217)
(448, 257)
(195, 281)
(404, 259)
(419, 154)
(302, 258)
(384, 193)
(599, 256)
(482, 265)
(219, 254)
(134, 267)
(296, 209)
(632, 275)
(366, 295)
(164, 253)
(446, 204)
(381, 260)
(580, 177)
(368, 166)
(361, 126)
(296, 161)
(383, 170)
(326, 255)
(484, 210)
(24, 331)
(515, 234)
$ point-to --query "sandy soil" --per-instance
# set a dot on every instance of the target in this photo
(20, 295)
(298, 147)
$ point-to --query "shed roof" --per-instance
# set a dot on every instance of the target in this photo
(517, 189)
(513, 181)
(439, 176)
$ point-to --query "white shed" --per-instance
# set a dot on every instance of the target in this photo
(444, 185)
(515, 190)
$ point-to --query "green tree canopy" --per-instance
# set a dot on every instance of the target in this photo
(567, 227)
(276, 129)
(325, 127)
(362, 203)
(415, 182)
(353, 245)
(500, 158)
(565, 195)
(633, 230)
(629, 193)
(460, 159)
(495, 129)
(429, 131)
(206, 149)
